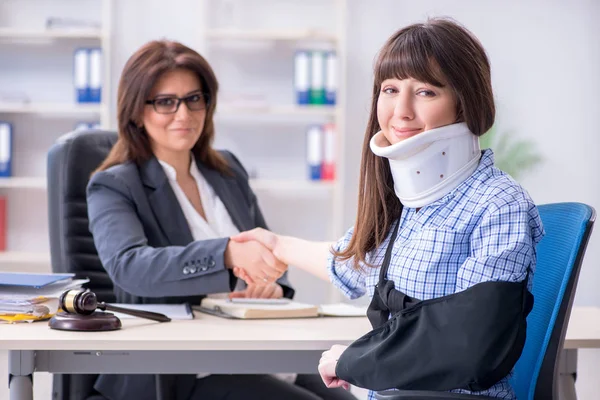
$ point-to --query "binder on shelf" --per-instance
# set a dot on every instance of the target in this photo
(95, 70)
(82, 126)
(330, 78)
(3, 223)
(314, 152)
(328, 166)
(302, 77)
(5, 149)
(317, 79)
(81, 75)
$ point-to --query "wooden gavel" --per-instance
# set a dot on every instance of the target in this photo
(85, 302)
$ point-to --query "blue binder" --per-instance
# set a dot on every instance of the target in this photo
(95, 70)
(30, 280)
(330, 78)
(302, 77)
(314, 152)
(81, 75)
(5, 149)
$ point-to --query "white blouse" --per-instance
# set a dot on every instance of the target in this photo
(218, 222)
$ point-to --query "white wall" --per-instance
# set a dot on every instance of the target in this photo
(545, 66)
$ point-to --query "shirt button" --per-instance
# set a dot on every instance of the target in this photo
(203, 268)
(211, 263)
(186, 270)
(192, 270)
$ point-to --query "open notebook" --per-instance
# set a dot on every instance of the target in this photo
(265, 309)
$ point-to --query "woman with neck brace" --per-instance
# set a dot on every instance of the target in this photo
(443, 242)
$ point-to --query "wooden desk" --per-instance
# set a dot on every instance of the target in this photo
(211, 344)
(583, 332)
(205, 344)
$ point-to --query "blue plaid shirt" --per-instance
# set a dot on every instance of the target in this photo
(484, 230)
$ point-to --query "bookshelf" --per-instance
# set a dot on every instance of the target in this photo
(56, 109)
(37, 97)
(17, 33)
(280, 34)
(239, 36)
(23, 182)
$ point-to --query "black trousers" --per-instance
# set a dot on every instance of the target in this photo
(265, 387)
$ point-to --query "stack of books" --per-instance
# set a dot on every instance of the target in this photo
(27, 297)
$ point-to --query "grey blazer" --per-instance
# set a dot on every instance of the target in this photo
(145, 244)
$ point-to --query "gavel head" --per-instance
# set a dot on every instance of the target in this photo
(77, 301)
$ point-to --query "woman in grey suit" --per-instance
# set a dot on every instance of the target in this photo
(162, 207)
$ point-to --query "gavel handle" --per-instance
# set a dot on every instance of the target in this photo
(136, 313)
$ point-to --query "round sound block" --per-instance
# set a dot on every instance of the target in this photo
(97, 321)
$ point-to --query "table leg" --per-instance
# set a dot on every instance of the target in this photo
(567, 374)
(20, 374)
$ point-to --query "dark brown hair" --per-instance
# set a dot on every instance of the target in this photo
(439, 52)
(140, 74)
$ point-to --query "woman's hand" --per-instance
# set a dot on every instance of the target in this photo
(327, 365)
(304, 254)
(267, 238)
(259, 291)
(257, 262)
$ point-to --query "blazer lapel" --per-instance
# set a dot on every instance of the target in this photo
(230, 194)
(164, 204)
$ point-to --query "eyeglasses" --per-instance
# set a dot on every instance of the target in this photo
(170, 104)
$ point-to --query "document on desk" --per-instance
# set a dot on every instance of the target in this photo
(257, 308)
(276, 308)
(173, 311)
(342, 310)
(30, 297)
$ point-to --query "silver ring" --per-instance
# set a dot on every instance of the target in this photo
(265, 280)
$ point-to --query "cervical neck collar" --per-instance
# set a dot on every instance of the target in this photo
(431, 164)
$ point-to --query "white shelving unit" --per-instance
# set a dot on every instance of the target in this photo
(23, 182)
(45, 113)
(280, 34)
(53, 109)
(227, 110)
(279, 118)
(17, 33)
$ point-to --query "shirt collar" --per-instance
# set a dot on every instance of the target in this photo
(172, 174)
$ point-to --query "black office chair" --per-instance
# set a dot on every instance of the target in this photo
(71, 161)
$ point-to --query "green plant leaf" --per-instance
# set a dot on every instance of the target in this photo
(512, 155)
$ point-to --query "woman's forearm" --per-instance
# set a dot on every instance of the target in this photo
(306, 255)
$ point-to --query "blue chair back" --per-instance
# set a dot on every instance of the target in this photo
(559, 255)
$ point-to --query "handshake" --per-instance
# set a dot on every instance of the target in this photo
(256, 256)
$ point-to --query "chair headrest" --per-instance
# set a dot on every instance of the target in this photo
(71, 161)
(78, 153)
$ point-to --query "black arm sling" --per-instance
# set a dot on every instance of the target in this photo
(467, 340)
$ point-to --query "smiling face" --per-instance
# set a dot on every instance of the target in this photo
(174, 135)
(407, 107)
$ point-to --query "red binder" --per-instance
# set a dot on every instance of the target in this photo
(329, 144)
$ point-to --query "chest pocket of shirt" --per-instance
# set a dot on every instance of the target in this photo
(432, 255)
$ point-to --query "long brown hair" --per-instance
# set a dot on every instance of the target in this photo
(439, 52)
(141, 72)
